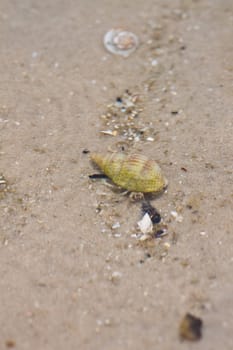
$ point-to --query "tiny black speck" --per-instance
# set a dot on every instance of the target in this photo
(119, 99)
(86, 151)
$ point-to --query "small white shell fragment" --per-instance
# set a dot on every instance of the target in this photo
(176, 216)
(109, 132)
(120, 42)
(116, 225)
(151, 139)
(2, 180)
(154, 62)
(202, 233)
(34, 54)
(145, 225)
(117, 235)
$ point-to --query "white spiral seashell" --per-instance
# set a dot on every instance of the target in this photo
(120, 42)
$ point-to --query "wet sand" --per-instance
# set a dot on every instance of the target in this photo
(70, 278)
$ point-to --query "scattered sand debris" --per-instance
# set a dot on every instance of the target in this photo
(120, 146)
(156, 248)
(150, 225)
(101, 323)
(146, 256)
(145, 224)
(120, 42)
(190, 328)
(194, 201)
(122, 119)
(151, 236)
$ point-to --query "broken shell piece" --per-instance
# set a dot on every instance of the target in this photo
(145, 225)
(120, 42)
(109, 132)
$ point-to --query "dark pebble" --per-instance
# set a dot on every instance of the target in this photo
(190, 328)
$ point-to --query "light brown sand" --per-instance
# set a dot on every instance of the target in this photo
(66, 281)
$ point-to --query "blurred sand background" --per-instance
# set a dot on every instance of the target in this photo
(68, 280)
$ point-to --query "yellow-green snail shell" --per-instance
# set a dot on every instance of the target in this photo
(135, 173)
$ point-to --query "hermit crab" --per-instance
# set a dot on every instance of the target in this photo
(135, 172)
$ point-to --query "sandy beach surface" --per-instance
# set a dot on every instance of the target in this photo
(74, 272)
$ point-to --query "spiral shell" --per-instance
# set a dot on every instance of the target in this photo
(120, 42)
(135, 173)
